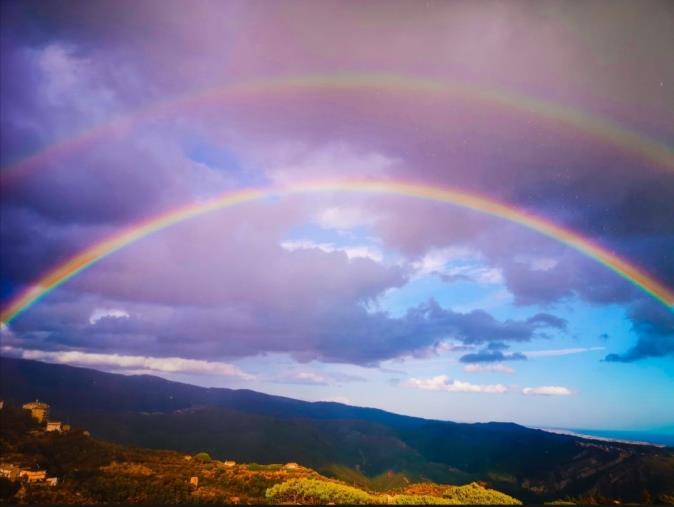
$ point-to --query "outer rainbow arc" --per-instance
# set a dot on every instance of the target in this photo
(95, 253)
(593, 126)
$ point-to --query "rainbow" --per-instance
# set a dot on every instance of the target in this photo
(91, 255)
(594, 127)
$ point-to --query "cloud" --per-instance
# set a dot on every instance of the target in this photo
(484, 275)
(343, 218)
(351, 251)
(542, 263)
(101, 313)
(456, 263)
(443, 383)
(311, 162)
(654, 326)
(303, 377)
(133, 363)
(309, 377)
(546, 391)
(448, 346)
(493, 352)
(318, 316)
(561, 352)
(490, 356)
(495, 368)
(548, 320)
(222, 286)
(436, 259)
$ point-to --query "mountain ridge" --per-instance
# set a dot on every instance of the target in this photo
(248, 426)
(68, 378)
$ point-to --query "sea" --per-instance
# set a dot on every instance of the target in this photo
(657, 438)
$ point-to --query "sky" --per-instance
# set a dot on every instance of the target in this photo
(115, 112)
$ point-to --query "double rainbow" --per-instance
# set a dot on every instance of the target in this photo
(592, 126)
(90, 256)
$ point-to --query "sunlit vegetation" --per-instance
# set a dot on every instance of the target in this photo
(314, 491)
(319, 491)
(258, 467)
(474, 493)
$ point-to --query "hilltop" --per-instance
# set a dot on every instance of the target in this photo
(369, 448)
(94, 471)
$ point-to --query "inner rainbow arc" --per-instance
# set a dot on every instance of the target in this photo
(93, 254)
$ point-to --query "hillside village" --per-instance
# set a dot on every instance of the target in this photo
(46, 461)
(40, 413)
(33, 481)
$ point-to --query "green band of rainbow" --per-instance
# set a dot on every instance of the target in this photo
(587, 124)
(98, 251)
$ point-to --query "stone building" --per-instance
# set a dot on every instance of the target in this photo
(33, 475)
(54, 426)
(38, 410)
(9, 471)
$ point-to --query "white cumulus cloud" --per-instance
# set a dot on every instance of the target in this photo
(456, 263)
(351, 251)
(443, 383)
(100, 313)
(135, 363)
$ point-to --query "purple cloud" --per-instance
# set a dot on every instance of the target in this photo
(223, 283)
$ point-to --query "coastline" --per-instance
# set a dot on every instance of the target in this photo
(605, 438)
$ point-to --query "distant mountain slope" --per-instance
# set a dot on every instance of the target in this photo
(75, 389)
(249, 426)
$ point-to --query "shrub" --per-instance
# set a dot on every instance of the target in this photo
(317, 491)
(312, 491)
(258, 467)
(202, 456)
(419, 500)
(474, 493)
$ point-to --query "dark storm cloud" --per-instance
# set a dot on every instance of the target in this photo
(654, 327)
(374, 337)
(344, 334)
(573, 274)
